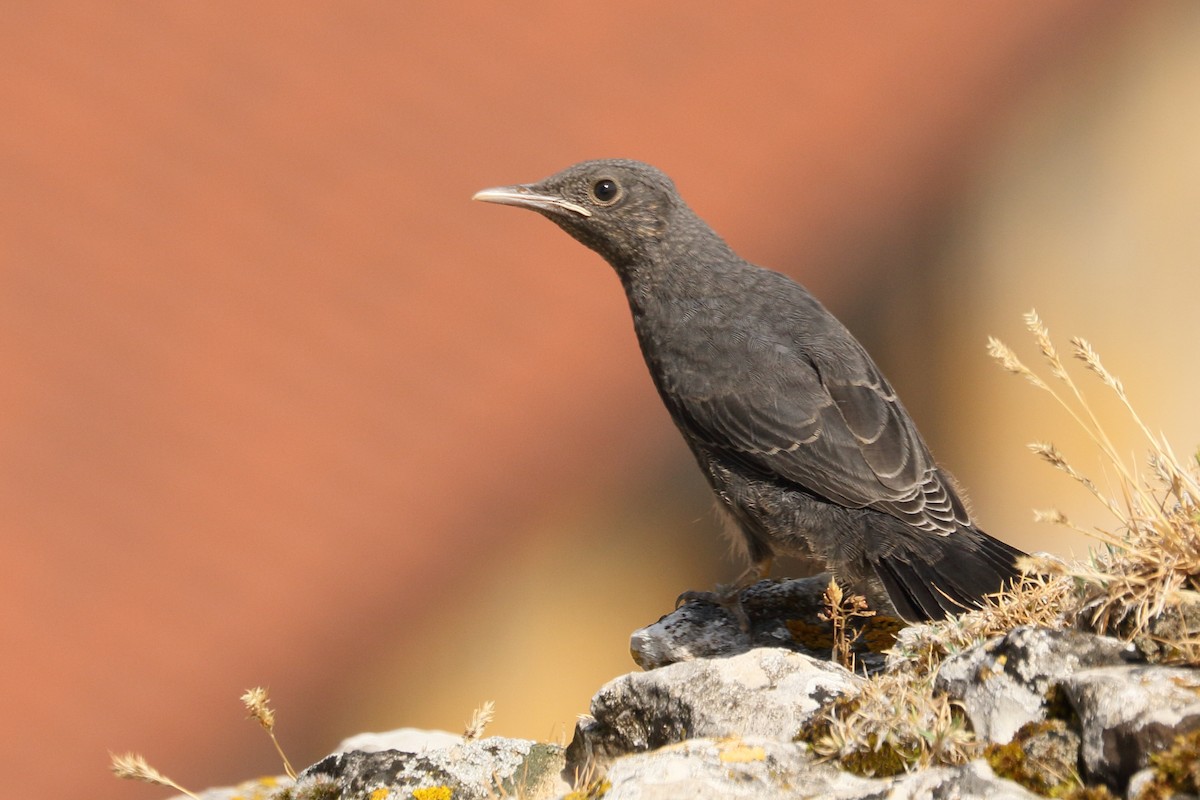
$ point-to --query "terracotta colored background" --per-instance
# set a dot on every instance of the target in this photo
(279, 405)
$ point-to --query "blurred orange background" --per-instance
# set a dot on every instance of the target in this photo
(279, 405)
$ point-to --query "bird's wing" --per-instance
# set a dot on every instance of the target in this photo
(835, 428)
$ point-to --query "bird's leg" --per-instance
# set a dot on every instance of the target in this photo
(754, 573)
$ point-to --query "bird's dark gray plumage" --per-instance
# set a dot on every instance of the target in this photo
(799, 434)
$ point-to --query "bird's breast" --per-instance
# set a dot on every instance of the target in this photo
(695, 349)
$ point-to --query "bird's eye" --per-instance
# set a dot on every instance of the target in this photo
(605, 190)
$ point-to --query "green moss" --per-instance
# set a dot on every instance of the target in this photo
(878, 761)
(1059, 707)
(540, 763)
(818, 726)
(1010, 761)
(873, 759)
(1176, 769)
(1042, 757)
(317, 790)
(1087, 793)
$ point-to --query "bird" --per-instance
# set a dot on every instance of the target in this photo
(803, 441)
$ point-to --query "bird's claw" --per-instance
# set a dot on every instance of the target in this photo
(727, 597)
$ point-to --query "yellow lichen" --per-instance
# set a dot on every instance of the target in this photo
(739, 752)
(432, 793)
(879, 632)
(807, 634)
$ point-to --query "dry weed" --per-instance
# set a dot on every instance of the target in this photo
(1147, 568)
(840, 609)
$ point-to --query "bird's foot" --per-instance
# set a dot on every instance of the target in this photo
(726, 596)
(720, 595)
(729, 595)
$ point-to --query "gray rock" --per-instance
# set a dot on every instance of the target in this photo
(912, 644)
(766, 692)
(753, 767)
(473, 770)
(259, 787)
(1127, 713)
(694, 630)
(1167, 637)
(972, 781)
(1139, 782)
(725, 728)
(408, 740)
(1004, 683)
(1042, 756)
(778, 614)
(767, 769)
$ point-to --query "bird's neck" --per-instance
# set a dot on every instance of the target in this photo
(675, 293)
(688, 262)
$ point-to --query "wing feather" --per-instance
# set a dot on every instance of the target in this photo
(834, 427)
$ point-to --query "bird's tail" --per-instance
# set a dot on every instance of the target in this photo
(946, 577)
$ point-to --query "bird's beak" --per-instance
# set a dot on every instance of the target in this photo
(528, 197)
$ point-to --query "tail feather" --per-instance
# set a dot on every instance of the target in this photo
(911, 597)
(1003, 556)
(948, 578)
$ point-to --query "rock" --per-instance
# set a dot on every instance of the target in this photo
(766, 692)
(1005, 683)
(768, 769)
(1170, 636)
(1126, 713)
(694, 630)
(701, 629)
(408, 740)
(971, 781)
(257, 789)
(780, 614)
(1139, 782)
(752, 767)
(1055, 706)
(471, 770)
(1042, 756)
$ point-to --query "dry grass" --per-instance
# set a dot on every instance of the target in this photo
(1141, 583)
(133, 767)
(480, 719)
(896, 724)
(1147, 567)
(257, 703)
(1045, 596)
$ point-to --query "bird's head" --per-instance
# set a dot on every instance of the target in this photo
(620, 209)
